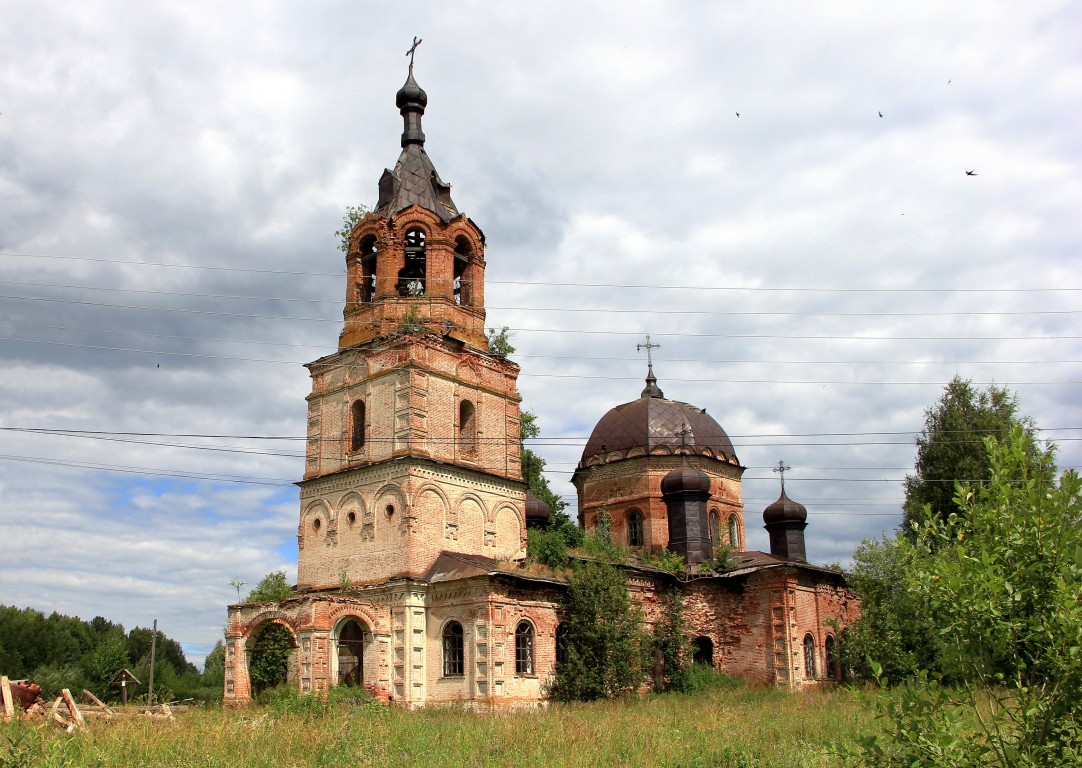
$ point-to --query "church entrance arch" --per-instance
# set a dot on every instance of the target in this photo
(271, 652)
(352, 638)
(703, 650)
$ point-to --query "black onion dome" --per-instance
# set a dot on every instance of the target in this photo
(650, 422)
(685, 479)
(411, 93)
(785, 510)
(537, 511)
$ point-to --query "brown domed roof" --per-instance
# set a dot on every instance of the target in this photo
(653, 421)
(785, 510)
(685, 479)
(537, 511)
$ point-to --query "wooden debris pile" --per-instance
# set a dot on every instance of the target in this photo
(21, 701)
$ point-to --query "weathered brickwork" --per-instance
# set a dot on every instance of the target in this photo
(634, 483)
(412, 501)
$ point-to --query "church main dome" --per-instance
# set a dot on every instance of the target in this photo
(653, 422)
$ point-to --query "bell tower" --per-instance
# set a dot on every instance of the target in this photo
(414, 438)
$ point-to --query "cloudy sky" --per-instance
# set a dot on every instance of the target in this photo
(716, 175)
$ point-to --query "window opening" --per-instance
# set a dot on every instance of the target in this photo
(809, 656)
(832, 657)
(351, 654)
(411, 278)
(467, 426)
(462, 261)
(357, 425)
(367, 286)
(734, 538)
(715, 526)
(634, 528)
(703, 648)
(561, 644)
(524, 648)
(453, 655)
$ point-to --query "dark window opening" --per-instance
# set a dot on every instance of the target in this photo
(832, 658)
(462, 261)
(467, 426)
(453, 655)
(734, 539)
(561, 644)
(357, 425)
(351, 654)
(524, 648)
(703, 648)
(634, 528)
(715, 527)
(411, 278)
(367, 286)
(809, 656)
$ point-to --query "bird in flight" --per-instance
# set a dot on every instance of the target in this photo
(880, 114)
(971, 173)
(738, 114)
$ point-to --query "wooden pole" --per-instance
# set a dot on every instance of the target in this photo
(73, 708)
(8, 697)
(153, 647)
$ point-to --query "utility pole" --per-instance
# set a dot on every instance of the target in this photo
(153, 648)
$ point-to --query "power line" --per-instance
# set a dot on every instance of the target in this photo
(750, 289)
(653, 311)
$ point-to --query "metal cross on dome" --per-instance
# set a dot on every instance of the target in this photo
(649, 350)
(416, 41)
(781, 469)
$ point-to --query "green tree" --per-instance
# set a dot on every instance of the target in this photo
(533, 472)
(951, 446)
(499, 342)
(1003, 578)
(353, 215)
(269, 665)
(896, 629)
(675, 642)
(604, 637)
(272, 588)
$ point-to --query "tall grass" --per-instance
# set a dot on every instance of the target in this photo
(739, 727)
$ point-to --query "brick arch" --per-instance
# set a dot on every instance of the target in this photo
(351, 502)
(337, 615)
(262, 620)
(317, 508)
(390, 493)
(357, 373)
(502, 527)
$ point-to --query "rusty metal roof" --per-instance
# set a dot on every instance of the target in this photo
(652, 421)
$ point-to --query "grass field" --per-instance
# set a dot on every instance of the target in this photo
(738, 727)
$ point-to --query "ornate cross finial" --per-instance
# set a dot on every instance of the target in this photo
(781, 469)
(648, 347)
(682, 433)
(416, 41)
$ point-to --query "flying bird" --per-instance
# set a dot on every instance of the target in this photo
(971, 173)
(880, 114)
(738, 114)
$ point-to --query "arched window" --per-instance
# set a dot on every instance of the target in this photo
(734, 536)
(411, 278)
(367, 287)
(462, 262)
(634, 528)
(467, 426)
(809, 656)
(524, 648)
(561, 644)
(356, 428)
(715, 527)
(453, 654)
(832, 657)
(704, 651)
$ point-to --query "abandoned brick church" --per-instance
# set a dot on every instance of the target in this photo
(413, 509)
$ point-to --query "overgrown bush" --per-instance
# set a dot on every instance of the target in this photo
(547, 548)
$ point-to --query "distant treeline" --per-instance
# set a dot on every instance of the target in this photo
(58, 651)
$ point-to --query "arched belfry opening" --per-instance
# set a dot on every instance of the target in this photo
(366, 283)
(412, 276)
(463, 251)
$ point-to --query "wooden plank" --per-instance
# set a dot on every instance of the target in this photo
(77, 716)
(99, 702)
(9, 698)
